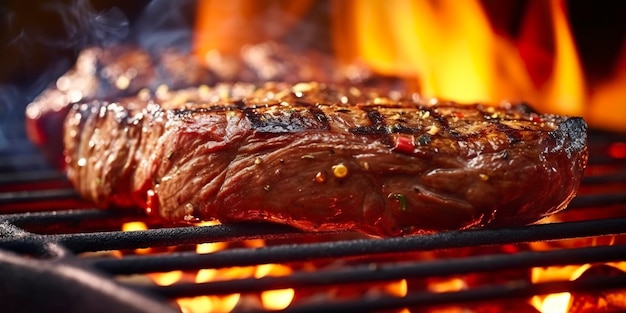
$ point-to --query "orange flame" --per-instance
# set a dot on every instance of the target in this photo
(607, 107)
(209, 304)
(166, 279)
(225, 303)
(398, 288)
(560, 302)
(566, 89)
(557, 302)
(447, 45)
(221, 303)
(447, 285)
(275, 299)
(453, 51)
(225, 27)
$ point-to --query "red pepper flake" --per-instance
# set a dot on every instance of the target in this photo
(405, 144)
(458, 114)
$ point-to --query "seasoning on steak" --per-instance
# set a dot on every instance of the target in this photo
(323, 157)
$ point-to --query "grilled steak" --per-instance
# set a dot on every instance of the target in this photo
(324, 157)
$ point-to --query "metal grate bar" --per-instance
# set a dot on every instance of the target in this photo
(22, 163)
(174, 236)
(14, 197)
(598, 200)
(617, 177)
(46, 218)
(162, 237)
(513, 290)
(604, 160)
(394, 271)
(30, 177)
(350, 248)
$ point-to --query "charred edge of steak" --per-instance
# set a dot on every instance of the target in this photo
(325, 157)
(571, 135)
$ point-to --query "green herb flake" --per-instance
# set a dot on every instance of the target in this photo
(400, 198)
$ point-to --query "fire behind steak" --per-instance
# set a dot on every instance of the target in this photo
(323, 157)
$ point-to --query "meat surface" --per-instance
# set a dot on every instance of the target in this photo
(124, 70)
(324, 157)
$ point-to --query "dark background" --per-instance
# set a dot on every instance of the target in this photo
(37, 34)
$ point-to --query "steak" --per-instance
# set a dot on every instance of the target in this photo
(324, 157)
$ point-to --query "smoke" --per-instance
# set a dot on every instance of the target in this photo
(8, 95)
(86, 26)
(66, 25)
(38, 42)
(164, 24)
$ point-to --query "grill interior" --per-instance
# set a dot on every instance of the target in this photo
(55, 251)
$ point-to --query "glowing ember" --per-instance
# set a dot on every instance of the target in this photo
(134, 226)
(397, 289)
(201, 304)
(452, 284)
(206, 275)
(254, 243)
(210, 247)
(275, 299)
(564, 302)
(556, 303)
(222, 303)
(166, 279)
(208, 304)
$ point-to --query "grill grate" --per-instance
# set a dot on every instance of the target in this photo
(46, 228)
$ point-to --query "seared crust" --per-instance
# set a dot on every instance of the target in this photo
(322, 157)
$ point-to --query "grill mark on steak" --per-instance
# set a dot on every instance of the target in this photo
(400, 167)
(276, 120)
(512, 135)
(320, 117)
(181, 113)
(376, 126)
(379, 125)
(268, 118)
